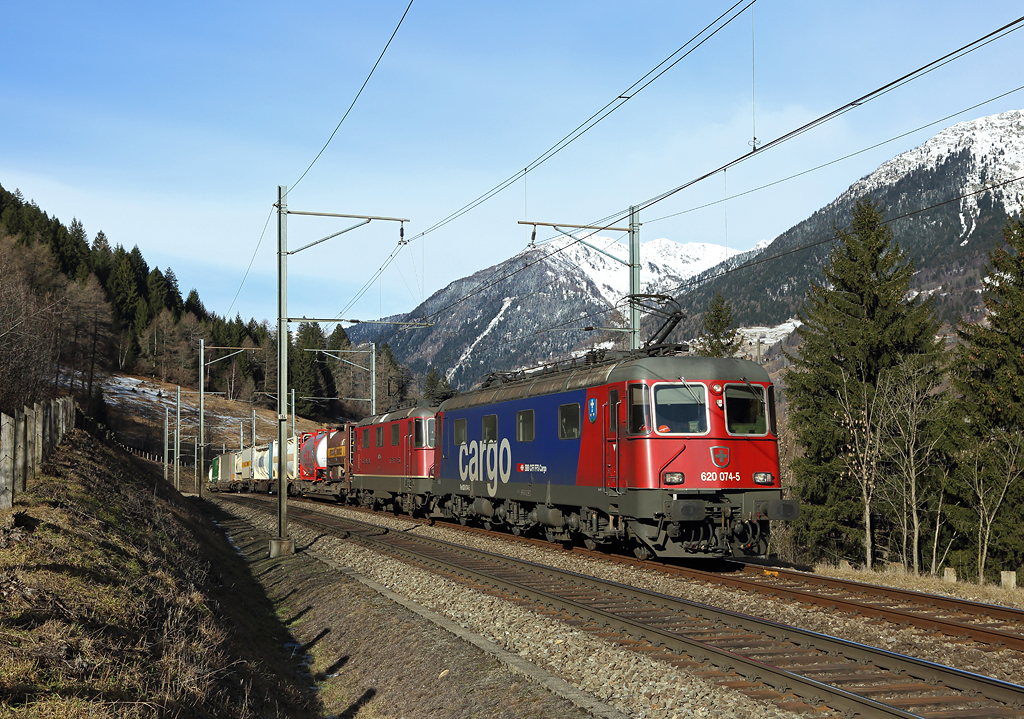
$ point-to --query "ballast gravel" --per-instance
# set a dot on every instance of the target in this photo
(966, 654)
(631, 683)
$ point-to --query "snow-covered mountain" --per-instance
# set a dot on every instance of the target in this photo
(953, 195)
(532, 307)
(665, 264)
(990, 151)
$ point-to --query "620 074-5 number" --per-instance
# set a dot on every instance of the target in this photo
(719, 476)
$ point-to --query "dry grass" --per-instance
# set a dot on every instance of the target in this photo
(893, 575)
(113, 603)
(141, 424)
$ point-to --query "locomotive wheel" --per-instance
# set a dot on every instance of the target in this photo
(488, 526)
(549, 534)
(516, 530)
(589, 543)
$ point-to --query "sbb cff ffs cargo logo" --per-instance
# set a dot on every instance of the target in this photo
(720, 456)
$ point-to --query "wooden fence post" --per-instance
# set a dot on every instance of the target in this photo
(20, 452)
(6, 461)
(30, 440)
(38, 442)
(47, 431)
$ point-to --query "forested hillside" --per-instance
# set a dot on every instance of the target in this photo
(72, 308)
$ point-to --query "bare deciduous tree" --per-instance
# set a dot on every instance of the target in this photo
(908, 405)
(862, 417)
(989, 470)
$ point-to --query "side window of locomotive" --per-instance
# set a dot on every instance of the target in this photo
(569, 421)
(418, 439)
(459, 431)
(490, 428)
(745, 411)
(524, 425)
(430, 432)
(380, 436)
(771, 410)
(396, 430)
(639, 409)
(681, 409)
(366, 437)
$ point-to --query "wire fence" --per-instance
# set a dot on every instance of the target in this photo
(27, 440)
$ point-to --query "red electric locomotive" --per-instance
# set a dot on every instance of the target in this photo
(673, 454)
(392, 459)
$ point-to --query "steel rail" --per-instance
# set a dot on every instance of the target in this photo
(951, 627)
(939, 601)
(783, 680)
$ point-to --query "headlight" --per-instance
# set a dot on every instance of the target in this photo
(764, 478)
(674, 477)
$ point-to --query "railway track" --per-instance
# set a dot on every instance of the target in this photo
(997, 626)
(989, 624)
(748, 653)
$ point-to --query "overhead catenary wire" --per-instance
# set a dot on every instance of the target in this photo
(354, 99)
(622, 98)
(709, 31)
(322, 149)
(843, 109)
(611, 220)
(838, 159)
(695, 282)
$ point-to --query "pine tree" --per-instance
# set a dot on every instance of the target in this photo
(173, 299)
(121, 287)
(718, 337)
(194, 305)
(990, 360)
(989, 376)
(304, 367)
(856, 325)
(101, 258)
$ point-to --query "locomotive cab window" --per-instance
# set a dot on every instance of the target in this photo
(639, 396)
(490, 428)
(395, 432)
(524, 425)
(681, 409)
(366, 437)
(569, 421)
(424, 433)
(745, 409)
(459, 431)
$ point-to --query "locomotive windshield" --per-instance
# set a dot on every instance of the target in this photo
(745, 409)
(680, 409)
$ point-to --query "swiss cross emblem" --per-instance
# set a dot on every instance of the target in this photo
(720, 456)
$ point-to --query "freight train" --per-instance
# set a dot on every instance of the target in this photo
(672, 455)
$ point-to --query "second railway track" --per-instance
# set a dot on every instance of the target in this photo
(997, 626)
(845, 676)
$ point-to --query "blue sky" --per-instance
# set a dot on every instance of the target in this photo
(170, 126)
